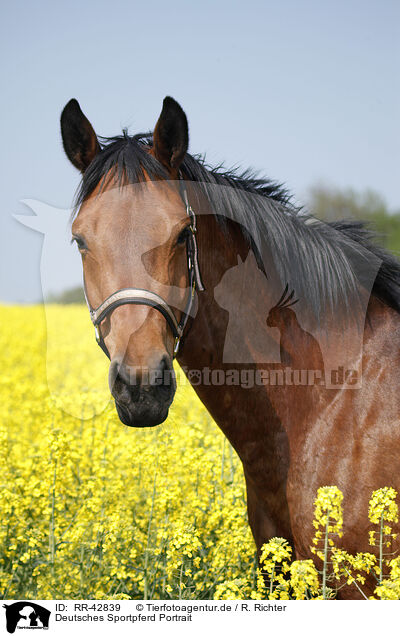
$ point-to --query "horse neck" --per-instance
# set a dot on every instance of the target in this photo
(204, 344)
(245, 415)
(218, 251)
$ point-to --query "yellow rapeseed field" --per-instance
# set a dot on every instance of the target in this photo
(92, 509)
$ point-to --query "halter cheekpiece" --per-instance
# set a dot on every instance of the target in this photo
(137, 296)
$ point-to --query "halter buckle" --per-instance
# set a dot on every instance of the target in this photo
(176, 346)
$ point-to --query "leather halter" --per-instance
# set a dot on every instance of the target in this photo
(137, 296)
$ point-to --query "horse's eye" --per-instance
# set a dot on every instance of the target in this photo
(80, 241)
(184, 235)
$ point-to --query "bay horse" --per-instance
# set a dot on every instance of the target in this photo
(159, 231)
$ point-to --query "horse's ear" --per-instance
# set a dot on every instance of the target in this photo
(171, 135)
(79, 139)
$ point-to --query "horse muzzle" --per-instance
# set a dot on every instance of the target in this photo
(142, 395)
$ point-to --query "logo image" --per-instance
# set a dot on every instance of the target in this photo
(26, 615)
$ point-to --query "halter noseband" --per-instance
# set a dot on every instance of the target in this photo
(137, 296)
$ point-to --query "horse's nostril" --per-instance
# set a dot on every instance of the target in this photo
(165, 364)
(131, 381)
(165, 378)
(131, 385)
(124, 374)
(123, 382)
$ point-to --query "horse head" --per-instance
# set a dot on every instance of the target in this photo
(133, 231)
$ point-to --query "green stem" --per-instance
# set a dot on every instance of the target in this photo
(325, 566)
(271, 582)
(180, 580)
(356, 584)
(381, 550)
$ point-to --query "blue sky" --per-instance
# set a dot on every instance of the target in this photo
(305, 91)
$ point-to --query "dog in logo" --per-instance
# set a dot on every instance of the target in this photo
(26, 614)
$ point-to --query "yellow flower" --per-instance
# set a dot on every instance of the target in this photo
(304, 579)
(383, 506)
(388, 590)
(274, 560)
(328, 506)
(371, 537)
(228, 591)
(274, 552)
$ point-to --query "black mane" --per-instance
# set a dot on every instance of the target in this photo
(129, 158)
(323, 262)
